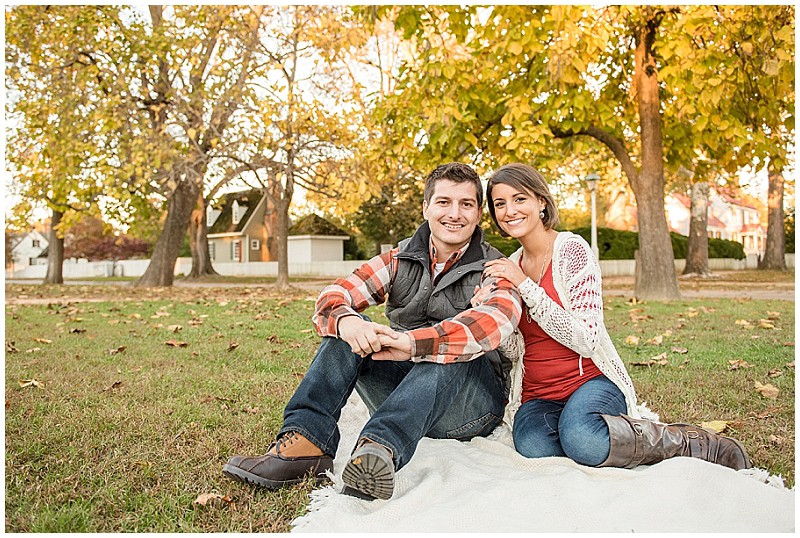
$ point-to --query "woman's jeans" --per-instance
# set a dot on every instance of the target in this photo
(406, 400)
(573, 428)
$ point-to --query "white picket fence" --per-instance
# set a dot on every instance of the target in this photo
(77, 269)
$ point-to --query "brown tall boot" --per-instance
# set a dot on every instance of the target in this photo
(639, 441)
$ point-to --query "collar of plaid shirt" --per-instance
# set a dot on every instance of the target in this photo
(454, 257)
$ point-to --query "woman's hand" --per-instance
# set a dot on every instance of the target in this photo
(481, 294)
(505, 268)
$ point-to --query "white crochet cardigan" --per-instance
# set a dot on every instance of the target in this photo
(578, 324)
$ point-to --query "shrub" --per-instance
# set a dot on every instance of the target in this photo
(622, 245)
(506, 245)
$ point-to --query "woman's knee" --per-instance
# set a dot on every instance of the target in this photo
(584, 445)
(536, 444)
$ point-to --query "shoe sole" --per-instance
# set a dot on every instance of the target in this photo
(369, 474)
(240, 475)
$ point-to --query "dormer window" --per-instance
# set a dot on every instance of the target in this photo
(211, 215)
(238, 211)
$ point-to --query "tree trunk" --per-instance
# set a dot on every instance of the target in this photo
(272, 224)
(55, 252)
(161, 271)
(282, 242)
(657, 278)
(775, 253)
(198, 241)
(697, 248)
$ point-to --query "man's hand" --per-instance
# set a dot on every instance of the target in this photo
(394, 348)
(362, 335)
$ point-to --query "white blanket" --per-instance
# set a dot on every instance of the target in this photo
(485, 486)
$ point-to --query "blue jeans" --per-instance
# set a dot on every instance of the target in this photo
(573, 428)
(406, 400)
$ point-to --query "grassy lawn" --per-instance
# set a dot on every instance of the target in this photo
(126, 430)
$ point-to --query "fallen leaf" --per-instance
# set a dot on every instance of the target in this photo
(114, 385)
(632, 340)
(718, 426)
(776, 440)
(175, 343)
(738, 363)
(765, 324)
(656, 340)
(274, 339)
(135, 316)
(667, 333)
(43, 340)
(681, 350)
(174, 328)
(768, 390)
(160, 314)
(116, 350)
(204, 498)
(773, 315)
(232, 346)
(77, 330)
(790, 364)
(775, 372)
(252, 410)
(30, 383)
(33, 350)
(788, 344)
(307, 330)
(10, 347)
(660, 360)
(708, 309)
(743, 322)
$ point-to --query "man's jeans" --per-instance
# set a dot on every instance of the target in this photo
(573, 428)
(406, 400)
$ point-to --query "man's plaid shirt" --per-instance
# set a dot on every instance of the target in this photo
(462, 338)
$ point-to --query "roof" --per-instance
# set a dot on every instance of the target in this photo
(313, 224)
(752, 228)
(683, 199)
(224, 223)
(714, 222)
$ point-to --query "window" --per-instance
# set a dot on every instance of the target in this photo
(31, 261)
(235, 212)
(255, 244)
(212, 250)
(36, 243)
(236, 251)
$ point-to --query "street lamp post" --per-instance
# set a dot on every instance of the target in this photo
(591, 182)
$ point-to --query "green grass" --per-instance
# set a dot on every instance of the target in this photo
(126, 441)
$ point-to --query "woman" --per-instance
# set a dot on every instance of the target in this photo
(571, 395)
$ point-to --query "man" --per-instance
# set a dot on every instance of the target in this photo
(437, 378)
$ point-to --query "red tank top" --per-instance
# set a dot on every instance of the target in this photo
(552, 370)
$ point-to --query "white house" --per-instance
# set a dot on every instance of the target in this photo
(27, 249)
(728, 218)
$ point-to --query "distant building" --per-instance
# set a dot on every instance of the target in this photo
(29, 248)
(236, 229)
(729, 217)
(238, 232)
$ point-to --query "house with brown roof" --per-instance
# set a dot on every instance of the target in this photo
(236, 229)
(238, 232)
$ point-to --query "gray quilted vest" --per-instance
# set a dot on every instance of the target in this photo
(415, 302)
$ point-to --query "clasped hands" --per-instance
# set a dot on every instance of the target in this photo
(367, 337)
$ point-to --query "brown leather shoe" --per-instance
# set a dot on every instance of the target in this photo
(274, 470)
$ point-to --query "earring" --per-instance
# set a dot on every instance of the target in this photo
(541, 214)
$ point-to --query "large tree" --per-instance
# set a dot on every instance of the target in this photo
(507, 83)
(53, 128)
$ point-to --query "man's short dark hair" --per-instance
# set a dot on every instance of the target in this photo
(456, 172)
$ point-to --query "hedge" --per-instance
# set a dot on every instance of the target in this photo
(621, 245)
